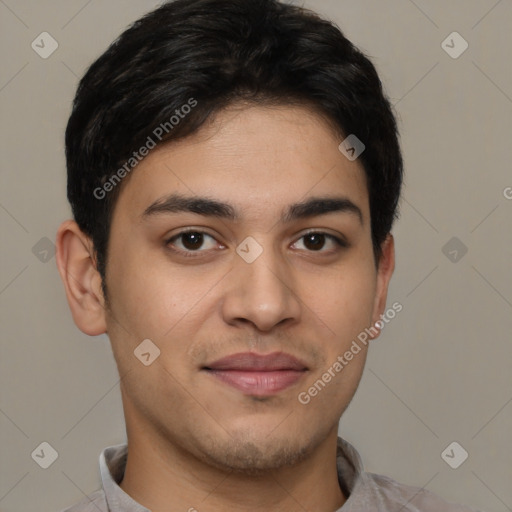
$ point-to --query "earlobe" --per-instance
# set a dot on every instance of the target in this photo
(82, 282)
(385, 271)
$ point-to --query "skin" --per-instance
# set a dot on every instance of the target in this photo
(195, 442)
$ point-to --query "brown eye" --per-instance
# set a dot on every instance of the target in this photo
(191, 241)
(316, 241)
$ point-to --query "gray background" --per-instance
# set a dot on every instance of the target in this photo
(440, 371)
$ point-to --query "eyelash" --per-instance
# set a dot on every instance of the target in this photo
(194, 254)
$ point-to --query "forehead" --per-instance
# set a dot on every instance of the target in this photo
(256, 158)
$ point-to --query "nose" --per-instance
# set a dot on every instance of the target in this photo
(261, 293)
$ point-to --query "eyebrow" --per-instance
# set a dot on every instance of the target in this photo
(312, 207)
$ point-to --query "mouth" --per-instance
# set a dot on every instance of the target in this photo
(257, 374)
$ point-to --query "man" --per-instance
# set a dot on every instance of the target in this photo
(234, 172)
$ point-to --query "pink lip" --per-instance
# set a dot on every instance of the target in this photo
(256, 374)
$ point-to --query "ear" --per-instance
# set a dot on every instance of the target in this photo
(385, 270)
(77, 268)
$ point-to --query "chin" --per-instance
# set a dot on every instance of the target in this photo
(254, 453)
(249, 457)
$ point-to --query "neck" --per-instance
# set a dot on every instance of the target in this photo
(163, 477)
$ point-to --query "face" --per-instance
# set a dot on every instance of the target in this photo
(245, 274)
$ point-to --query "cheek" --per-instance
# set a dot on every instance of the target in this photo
(344, 300)
(151, 295)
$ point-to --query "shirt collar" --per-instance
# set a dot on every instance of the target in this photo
(112, 466)
(113, 463)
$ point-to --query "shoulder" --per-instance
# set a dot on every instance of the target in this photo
(95, 502)
(390, 493)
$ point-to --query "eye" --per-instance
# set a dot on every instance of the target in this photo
(192, 240)
(315, 241)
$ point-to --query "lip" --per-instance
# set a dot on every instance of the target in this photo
(258, 374)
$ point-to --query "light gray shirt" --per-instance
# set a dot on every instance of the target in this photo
(367, 492)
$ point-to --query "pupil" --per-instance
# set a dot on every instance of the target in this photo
(192, 240)
(317, 241)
